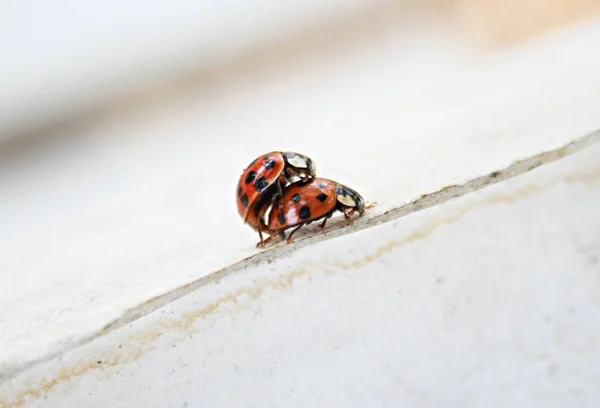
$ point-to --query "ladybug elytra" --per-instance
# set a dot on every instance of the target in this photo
(263, 180)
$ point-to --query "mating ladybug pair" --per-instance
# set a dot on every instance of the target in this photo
(288, 181)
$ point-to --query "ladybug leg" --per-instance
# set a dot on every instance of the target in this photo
(289, 238)
(261, 227)
(268, 240)
(262, 242)
(325, 221)
(261, 217)
(323, 224)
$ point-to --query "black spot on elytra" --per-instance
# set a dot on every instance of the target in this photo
(270, 164)
(261, 184)
(322, 197)
(244, 200)
(321, 185)
(250, 177)
(240, 191)
(296, 197)
(281, 219)
(304, 213)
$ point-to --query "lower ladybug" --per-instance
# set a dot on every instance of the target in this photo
(263, 180)
(316, 199)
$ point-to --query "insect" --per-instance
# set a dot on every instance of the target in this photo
(304, 202)
(262, 182)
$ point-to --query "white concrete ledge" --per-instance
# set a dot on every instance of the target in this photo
(491, 299)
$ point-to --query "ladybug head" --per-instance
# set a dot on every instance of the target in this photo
(349, 199)
(299, 165)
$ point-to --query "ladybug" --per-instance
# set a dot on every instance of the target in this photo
(306, 201)
(262, 182)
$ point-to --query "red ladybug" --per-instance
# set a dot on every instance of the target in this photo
(262, 181)
(313, 200)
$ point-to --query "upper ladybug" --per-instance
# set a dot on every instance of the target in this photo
(263, 180)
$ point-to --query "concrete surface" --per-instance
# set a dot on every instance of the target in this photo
(489, 300)
(109, 214)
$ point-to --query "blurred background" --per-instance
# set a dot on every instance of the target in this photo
(125, 125)
(67, 61)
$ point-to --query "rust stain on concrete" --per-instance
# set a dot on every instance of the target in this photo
(67, 373)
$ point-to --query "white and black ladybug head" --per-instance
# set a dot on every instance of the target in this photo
(348, 198)
(300, 165)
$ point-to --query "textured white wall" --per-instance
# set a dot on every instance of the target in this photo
(491, 300)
